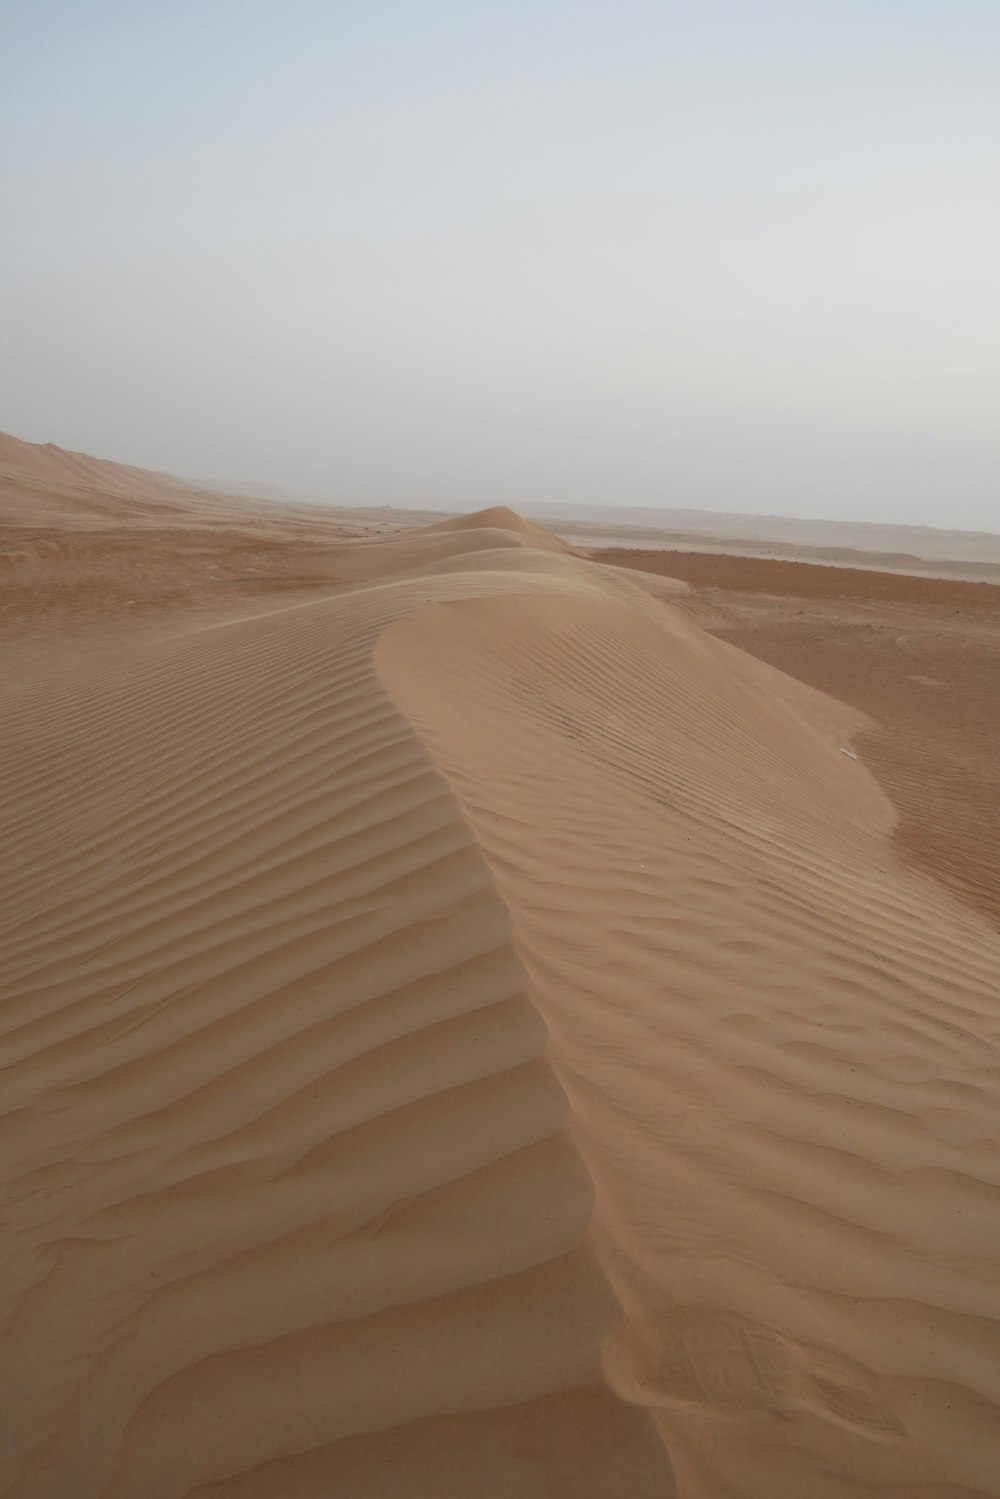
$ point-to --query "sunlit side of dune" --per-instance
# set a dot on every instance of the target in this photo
(779, 1044)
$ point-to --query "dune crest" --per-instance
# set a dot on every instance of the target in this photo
(500, 518)
(471, 1033)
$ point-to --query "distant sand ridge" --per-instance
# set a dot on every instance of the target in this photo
(466, 1030)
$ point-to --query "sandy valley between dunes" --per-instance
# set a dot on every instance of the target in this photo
(470, 1028)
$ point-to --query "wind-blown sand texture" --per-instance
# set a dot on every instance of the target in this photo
(466, 1030)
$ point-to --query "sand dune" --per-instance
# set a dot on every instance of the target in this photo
(779, 1046)
(471, 1032)
(42, 485)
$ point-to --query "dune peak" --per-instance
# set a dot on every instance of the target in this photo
(502, 518)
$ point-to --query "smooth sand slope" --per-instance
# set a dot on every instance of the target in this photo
(41, 483)
(473, 1033)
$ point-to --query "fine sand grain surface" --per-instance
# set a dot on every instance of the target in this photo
(466, 1030)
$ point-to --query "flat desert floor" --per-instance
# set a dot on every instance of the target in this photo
(482, 1020)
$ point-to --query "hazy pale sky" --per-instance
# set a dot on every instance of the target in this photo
(736, 254)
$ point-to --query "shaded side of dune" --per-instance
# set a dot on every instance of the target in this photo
(290, 1207)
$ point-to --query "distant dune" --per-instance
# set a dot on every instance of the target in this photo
(468, 1031)
(48, 468)
(41, 484)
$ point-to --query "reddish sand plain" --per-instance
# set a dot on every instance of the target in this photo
(467, 1029)
(920, 656)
